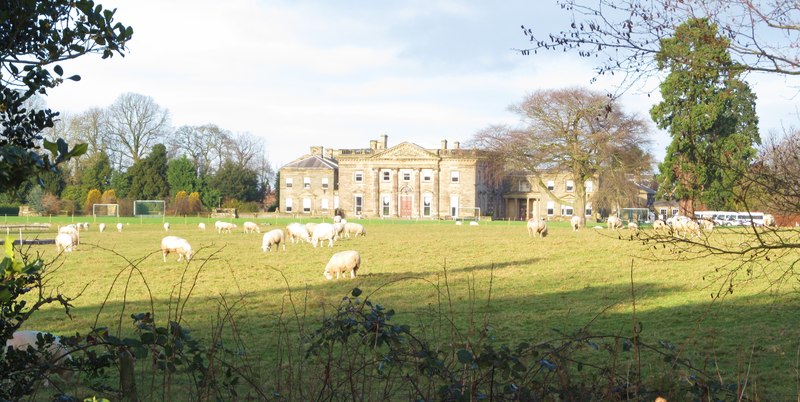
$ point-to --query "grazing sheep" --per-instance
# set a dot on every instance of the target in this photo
(119, 227)
(355, 229)
(633, 226)
(175, 244)
(473, 223)
(323, 231)
(201, 226)
(537, 227)
(55, 352)
(658, 224)
(769, 220)
(224, 226)
(166, 226)
(342, 262)
(84, 226)
(275, 237)
(297, 232)
(343, 221)
(64, 243)
(458, 223)
(73, 232)
(101, 227)
(337, 219)
(575, 222)
(310, 227)
(250, 227)
(614, 222)
(338, 229)
(707, 225)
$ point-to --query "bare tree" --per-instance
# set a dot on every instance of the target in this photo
(245, 147)
(625, 35)
(573, 130)
(135, 123)
(208, 146)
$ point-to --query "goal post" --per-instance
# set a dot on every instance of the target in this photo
(105, 210)
(149, 208)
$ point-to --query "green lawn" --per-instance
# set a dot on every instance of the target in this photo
(563, 282)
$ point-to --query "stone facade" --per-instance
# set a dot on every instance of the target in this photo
(408, 181)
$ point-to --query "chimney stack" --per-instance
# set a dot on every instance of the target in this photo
(330, 153)
(373, 144)
(385, 141)
(456, 144)
(444, 145)
(316, 150)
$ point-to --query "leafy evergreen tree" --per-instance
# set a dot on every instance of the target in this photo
(149, 176)
(181, 175)
(234, 181)
(710, 114)
(97, 172)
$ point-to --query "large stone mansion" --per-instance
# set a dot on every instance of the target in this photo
(408, 181)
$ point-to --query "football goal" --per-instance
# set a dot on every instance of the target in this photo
(105, 210)
(145, 208)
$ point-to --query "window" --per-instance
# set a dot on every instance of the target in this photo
(454, 206)
(570, 185)
(551, 185)
(674, 211)
(387, 199)
(662, 212)
(566, 210)
(406, 176)
(427, 175)
(387, 176)
(306, 205)
(426, 204)
(454, 177)
(359, 204)
(359, 176)
(288, 205)
(324, 204)
(551, 206)
(588, 209)
(524, 186)
(306, 183)
(288, 182)
(589, 186)
(324, 182)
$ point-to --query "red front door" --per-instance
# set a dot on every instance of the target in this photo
(405, 206)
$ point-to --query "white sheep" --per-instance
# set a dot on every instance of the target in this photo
(707, 225)
(323, 231)
(250, 227)
(119, 227)
(310, 227)
(275, 237)
(355, 229)
(201, 226)
(633, 226)
(224, 226)
(342, 262)
(537, 227)
(614, 222)
(338, 229)
(297, 232)
(337, 219)
(84, 226)
(56, 353)
(769, 220)
(175, 244)
(166, 226)
(64, 243)
(101, 227)
(658, 224)
(575, 222)
(73, 232)
(473, 223)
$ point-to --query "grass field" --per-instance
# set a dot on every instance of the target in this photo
(565, 281)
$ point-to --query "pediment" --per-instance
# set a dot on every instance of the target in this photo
(406, 150)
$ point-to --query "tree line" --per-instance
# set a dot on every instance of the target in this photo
(132, 152)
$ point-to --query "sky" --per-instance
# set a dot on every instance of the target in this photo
(339, 74)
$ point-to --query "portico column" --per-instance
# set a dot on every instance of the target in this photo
(376, 188)
(396, 193)
(418, 195)
(436, 193)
